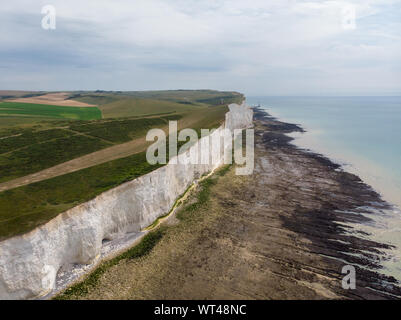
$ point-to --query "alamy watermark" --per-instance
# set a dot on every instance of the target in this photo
(49, 19)
(348, 15)
(349, 280)
(214, 147)
(49, 277)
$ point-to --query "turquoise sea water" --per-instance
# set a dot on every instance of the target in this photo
(364, 135)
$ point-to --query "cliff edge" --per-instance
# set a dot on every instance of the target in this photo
(30, 264)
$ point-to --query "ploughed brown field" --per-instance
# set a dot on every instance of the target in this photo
(56, 99)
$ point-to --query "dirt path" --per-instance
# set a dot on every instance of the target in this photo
(86, 161)
(92, 159)
(271, 235)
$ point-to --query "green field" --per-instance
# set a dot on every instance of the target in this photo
(24, 208)
(188, 97)
(129, 107)
(39, 156)
(17, 109)
(119, 131)
(33, 151)
(191, 96)
(23, 138)
(43, 137)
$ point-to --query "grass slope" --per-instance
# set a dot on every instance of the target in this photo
(40, 156)
(210, 97)
(31, 151)
(38, 143)
(129, 107)
(48, 111)
(25, 208)
(119, 131)
(139, 103)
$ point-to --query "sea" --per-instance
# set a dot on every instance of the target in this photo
(363, 134)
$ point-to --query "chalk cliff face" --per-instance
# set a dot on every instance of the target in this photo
(29, 263)
(239, 117)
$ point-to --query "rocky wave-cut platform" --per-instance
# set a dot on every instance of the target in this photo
(323, 203)
(283, 232)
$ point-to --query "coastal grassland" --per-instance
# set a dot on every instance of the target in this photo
(207, 118)
(129, 107)
(39, 156)
(29, 146)
(22, 138)
(94, 98)
(120, 105)
(32, 156)
(139, 103)
(119, 131)
(14, 125)
(17, 109)
(208, 97)
(25, 208)
(187, 215)
(31, 151)
(27, 151)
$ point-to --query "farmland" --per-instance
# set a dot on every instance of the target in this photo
(23, 154)
(39, 156)
(24, 208)
(119, 131)
(17, 109)
(139, 103)
(51, 136)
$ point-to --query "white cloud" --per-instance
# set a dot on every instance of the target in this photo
(223, 43)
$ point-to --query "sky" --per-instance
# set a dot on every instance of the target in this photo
(257, 47)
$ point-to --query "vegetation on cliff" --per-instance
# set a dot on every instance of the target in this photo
(32, 146)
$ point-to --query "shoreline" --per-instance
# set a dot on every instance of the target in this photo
(384, 228)
(309, 140)
(281, 233)
(373, 212)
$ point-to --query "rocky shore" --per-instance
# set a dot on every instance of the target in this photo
(324, 199)
(280, 233)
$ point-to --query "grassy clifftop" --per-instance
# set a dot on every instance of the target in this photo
(39, 143)
(32, 110)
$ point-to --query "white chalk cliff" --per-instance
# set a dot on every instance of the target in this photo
(29, 263)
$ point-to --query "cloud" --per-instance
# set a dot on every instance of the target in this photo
(255, 46)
